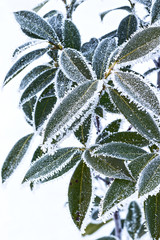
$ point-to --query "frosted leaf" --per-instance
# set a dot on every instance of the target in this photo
(107, 103)
(71, 108)
(56, 22)
(155, 14)
(110, 167)
(28, 109)
(63, 84)
(126, 28)
(47, 165)
(79, 193)
(40, 5)
(150, 177)
(101, 55)
(88, 48)
(127, 8)
(37, 154)
(24, 47)
(74, 66)
(34, 73)
(140, 119)
(141, 44)
(15, 156)
(148, 3)
(71, 35)
(38, 84)
(23, 62)
(132, 85)
(34, 24)
(119, 150)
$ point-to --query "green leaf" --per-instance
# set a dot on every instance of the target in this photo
(66, 113)
(150, 177)
(44, 105)
(99, 111)
(140, 119)
(119, 150)
(107, 238)
(32, 75)
(39, 6)
(15, 156)
(56, 21)
(106, 102)
(110, 167)
(79, 193)
(145, 2)
(155, 14)
(23, 62)
(28, 109)
(101, 55)
(34, 24)
(126, 28)
(38, 84)
(74, 66)
(133, 219)
(125, 137)
(141, 44)
(71, 35)
(63, 84)
(143, 230)
(132, 85)
(93, 227)
(127, 8)
(121, 189)
(88, 48)
(109, 35)
(83, 132)
(152, 215)
(24, 47)
(37, 154)
(47, 165)
(111, 128)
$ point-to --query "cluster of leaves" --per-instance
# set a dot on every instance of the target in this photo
(73, 91)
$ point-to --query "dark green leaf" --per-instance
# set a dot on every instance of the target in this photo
(28, 109)
(127, 8)
(41, 5)
(34, 24)
(37, 154)
(23, 62)
(110, 167)
(152, 215)
(74, 66)
(109, 35)
(133, 219)
(24, 47)
(126, 28)
(119, 150)
(79, 193)
(101, 55)
(106, 102)
(141, 44)
(107, 238)
(15, 156)
(88, 48)
(93, 227)
(56, 21)
(71, 35)
(47, 165)
(83, 132)
(134, 86)
(64, 115)
(38, 84)
(150, 177)
(142, 230)
(50, 14)
(155, 14)
(140, 119)
(99, 111)
(63, 84)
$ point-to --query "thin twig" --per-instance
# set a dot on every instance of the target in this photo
(118, 227)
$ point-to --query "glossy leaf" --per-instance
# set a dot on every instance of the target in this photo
(125, 137)
(66, 113)
(101, 55)
(38, 84)
(28, 109)
(110, 167)
(79, 193)
(121, 189)
(141, 44)
(140, 119)
(44, 105)
(32, 75)
(119, 150)
(133, 219)
(23, 62)
(150, 177)
(126, 28)
(132, 85)
(152, 215)
(71, 35)
(127, 8)
(74, 66)
(155, 14)
(34, 24)
(47, 165)
(63, 84)
(83, 132)
(15, 156)
(56, 21)
(88, 48)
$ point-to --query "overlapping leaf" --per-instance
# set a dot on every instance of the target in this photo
(15, 156)
(56, 21)
(74, 66)
(28, 109)
(88, 48)
(155, 14)
(107, 104)
(63, 84)
(79, 193)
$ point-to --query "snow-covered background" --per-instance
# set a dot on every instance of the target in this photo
(42, 213)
